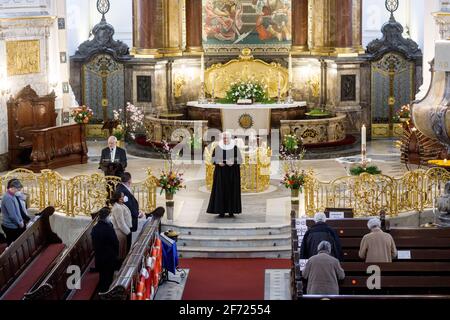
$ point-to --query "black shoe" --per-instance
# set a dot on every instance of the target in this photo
(221, 215)
(231, 215)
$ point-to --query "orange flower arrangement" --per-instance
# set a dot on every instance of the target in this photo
(82, 114)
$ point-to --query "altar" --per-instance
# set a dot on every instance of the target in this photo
(246, 117)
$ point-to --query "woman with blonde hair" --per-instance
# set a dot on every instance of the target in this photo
(121, 220)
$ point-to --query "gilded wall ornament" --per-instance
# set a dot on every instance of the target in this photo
(23, 57)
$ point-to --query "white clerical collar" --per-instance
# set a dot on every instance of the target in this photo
(229, 146)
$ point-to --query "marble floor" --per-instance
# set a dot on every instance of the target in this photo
(271, 207)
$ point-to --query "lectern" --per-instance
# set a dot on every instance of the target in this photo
(112, 168)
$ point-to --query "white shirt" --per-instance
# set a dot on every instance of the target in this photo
(113, 154)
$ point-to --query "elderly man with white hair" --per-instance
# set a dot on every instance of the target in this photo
(377, 246)
(323, 272)
(318, 233)
(113, 160)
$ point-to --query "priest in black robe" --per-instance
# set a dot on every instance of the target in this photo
(226, 189)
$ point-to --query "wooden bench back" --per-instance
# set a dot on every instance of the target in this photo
(24, 250)
(54, 286)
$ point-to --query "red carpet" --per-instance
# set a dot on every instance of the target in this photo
(228, 279)
(32, 274)
(89, 283)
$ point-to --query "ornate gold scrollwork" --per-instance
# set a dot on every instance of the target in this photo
(246, 68)
(23, 57)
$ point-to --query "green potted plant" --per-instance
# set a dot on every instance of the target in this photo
(360, 169)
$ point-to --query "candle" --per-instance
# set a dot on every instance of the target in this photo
(279, 82)
(291, 74)
(364, 135)
(363, 143)
(202, 71)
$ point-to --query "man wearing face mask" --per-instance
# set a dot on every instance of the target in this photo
(15, 218)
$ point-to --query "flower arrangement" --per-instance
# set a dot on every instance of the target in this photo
(119, 132)
(247, 90)
(359, 170)
(135, 119)
(82, 114)
(292, 147)
(171, 182)
(294, 180)
(404, 112)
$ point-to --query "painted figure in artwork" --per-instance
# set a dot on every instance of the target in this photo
(223, 19)
(273, 19)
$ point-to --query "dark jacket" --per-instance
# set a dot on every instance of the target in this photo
(132, 204)
(121, 156)
(315, 235)
(106, 245)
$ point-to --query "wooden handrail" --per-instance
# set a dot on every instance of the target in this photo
(131, 268)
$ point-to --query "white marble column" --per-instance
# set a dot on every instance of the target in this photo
(432, 34)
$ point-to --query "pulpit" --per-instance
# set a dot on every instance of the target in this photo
(27, 112)
(35, 142)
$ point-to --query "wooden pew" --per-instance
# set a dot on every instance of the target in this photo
(427, 272)
(29, 257)
(131, 268)
(54, 285)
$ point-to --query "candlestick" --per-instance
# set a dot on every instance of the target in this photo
(213, 91)
(279, 87)
(291, 74)
(202, 69)
(364, 144)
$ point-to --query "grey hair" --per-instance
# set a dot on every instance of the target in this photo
(112, 138)
(324, 246)
(320, 217)
(374, 223)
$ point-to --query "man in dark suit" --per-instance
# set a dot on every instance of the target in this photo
(113, 161)
(106, 248)
(132, 204)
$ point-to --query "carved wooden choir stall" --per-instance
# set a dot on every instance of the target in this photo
(35, 142)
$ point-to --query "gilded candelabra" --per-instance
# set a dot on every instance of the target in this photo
(202, 97)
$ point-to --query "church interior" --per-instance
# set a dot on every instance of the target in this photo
(330, 113)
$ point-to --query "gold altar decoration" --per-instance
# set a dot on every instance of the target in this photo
(220, 76)
(23, 57)
(255, 171)
(368, 194)
(440, 163)
(81, 195)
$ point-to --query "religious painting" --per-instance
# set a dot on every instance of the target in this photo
(23, 57)
(256, 24)
(144, 88)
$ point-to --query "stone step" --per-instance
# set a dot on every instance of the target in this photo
(278, 240)
(283, 252)
(228, 230)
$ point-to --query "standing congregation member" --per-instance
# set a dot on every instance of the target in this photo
(106, 249)
(131, 202)
(15, 218)
(121, 220)
(318, 233)
(377, 246)
(323, 272)
(113, 160)
(226, 189)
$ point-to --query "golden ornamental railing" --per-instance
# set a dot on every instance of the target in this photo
(255, 169)
(80, 195)
(367, 194)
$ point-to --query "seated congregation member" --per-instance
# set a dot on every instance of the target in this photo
(318, 233)
(121, 220)
(377, 246)
(15, 217)
(106, 249)
(113, 154)
(131, 202)
(323, 272)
